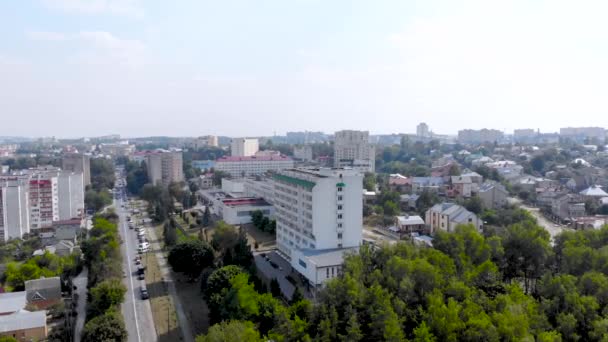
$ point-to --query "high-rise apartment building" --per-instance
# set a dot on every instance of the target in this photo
(70, 187)
(319, 217)
(352, 149)
(422, 130)
(244, 147)
(43, 200)
(165, 167)
(77, 162)
(581, 133)
(14, 207)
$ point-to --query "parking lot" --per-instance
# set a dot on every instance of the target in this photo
(275, 267)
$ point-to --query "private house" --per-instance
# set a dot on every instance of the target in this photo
(44, 292)
(462, 186)
(433, 184)
(446, 216)
(399, 183)
(406, 225)
(567, 207)
(24, 325)
(493, 195)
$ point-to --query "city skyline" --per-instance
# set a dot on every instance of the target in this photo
(77, 68)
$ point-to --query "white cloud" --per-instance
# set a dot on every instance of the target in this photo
(117, 7)
(97, 47)
(46, 36)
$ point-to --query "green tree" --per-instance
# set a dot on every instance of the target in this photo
(190, 257)
(169, 234)
(106, 295)
(231, 331)
(107, 327)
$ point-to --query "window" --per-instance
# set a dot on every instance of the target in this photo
(339, 216)
(327, 272)
(339, 198)
(340, 189)
(339, 235)
(339, 225)
(340, 207)
(339, 245)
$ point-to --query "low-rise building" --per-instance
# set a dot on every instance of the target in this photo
(493, 195)
(446, 216)
(238, 210)
(399, 183)
(24, 325)
(406, 225)
(44, 292)
(462, 186)
(432, 184)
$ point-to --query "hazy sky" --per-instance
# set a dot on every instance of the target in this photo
(254, 67)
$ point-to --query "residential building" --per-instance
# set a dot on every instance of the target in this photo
(423, 131)
(567, 207)
(462, 186)
(70, 187)
(319, 218)
(526, 135)
(594, 192)
(11, 302)
(205, 181)
(120, 149)
(399, 183)
(24, 325)
(473, 136)
(77, 162)
(205, 141)
(406, 225)
(303, 153)
(165, 166)
(244, 147)
(352, 149)
(433, 184)
(43, 199)
(446, 216)
(493, 195)
(241, 167)
(43, 293)
(582, 133)
(14, 207)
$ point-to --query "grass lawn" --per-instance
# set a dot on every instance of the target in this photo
(190, 295)
(163, 310)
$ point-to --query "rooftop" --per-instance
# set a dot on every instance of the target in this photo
(409, 220)
(233, 159)
(326, 257)
(12, 301)
(594, 191)
(22, 320)
(249, 201)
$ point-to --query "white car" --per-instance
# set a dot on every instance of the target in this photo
(144, 245)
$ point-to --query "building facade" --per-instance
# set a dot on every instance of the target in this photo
(473, 136)
(446, 216)
(318, 209)
(240, 167)
(165, 167)
(244, 147)
(70, 187)
(77, 162)
(352, 149)
(14, 207)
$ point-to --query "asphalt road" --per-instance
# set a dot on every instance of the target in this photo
(136, 312)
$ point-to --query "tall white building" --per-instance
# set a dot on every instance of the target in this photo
(70, 195)
(352, 149)
(239, 167)
(244, 147)
(422, 130)
(319, 217)
(77, 162)
(14, 207)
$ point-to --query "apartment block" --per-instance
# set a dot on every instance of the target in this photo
(473, 136)
(319, 218)
(352, 149)
(241, 167)
(581, 133)
(77, 162)
(71, 195)
(44, 200)
(14, 207)
(244, 147)
(165, 167)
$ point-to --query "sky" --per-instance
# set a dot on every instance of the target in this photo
(74, 68)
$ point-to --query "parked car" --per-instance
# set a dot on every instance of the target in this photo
(141, 277)
(144, 293)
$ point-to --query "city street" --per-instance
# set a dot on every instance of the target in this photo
(136, 312)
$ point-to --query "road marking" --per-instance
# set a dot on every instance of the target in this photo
(124, 229)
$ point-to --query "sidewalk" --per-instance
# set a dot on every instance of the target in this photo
(184, 324)
(80, 281)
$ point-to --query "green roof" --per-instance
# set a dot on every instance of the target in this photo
(341, 185)
(297, 181)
